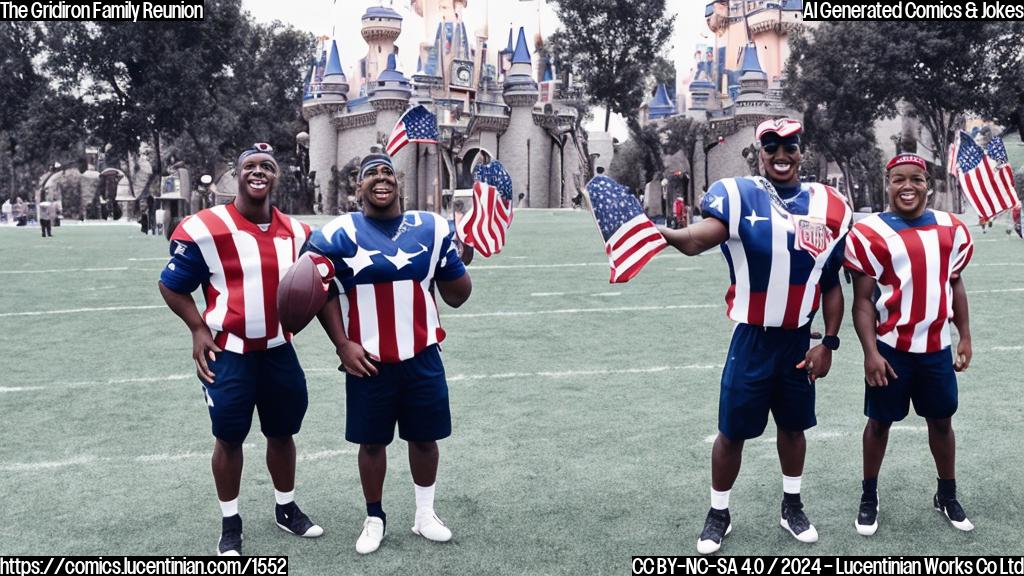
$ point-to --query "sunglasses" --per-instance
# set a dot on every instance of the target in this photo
(773, 148)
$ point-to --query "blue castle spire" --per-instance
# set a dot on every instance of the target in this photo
(661, 106)
(751, 63)
(522, 54)
(334, 62)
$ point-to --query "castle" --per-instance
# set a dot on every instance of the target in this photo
(505, 105)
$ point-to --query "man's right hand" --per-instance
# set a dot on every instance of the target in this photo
(203, 347)
(355, 361)
(877, 370)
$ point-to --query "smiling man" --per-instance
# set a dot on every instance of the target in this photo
(907, 263)
(386, 331)
(238, 252)
(782, 240)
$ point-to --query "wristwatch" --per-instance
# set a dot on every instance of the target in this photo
(830, 342)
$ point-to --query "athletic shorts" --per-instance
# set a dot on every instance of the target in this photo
(760, 376)
(269, 380)
(926, 378)
(412, 394)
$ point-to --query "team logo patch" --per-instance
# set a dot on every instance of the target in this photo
(812, 235)
(179, 248)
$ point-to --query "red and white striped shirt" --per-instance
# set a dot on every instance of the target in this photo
(913, 263)
(245, 266)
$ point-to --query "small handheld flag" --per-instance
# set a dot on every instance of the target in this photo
(485, 225)
(986, 180)
(416, 125)
(630, 238)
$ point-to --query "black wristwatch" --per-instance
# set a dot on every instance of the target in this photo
(830, 342)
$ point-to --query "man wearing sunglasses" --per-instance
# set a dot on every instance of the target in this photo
(238, 252)
(783, 241)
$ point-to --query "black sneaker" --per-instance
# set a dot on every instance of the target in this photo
(867, 518)
(292, 520)
(716, 527)
(796, 523)
(954, 512)
(230, 543)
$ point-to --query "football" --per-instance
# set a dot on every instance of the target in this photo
(303, 291)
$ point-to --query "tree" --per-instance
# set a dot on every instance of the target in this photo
(683, 134)
(201, 88)
(846, 75)
(611, 46)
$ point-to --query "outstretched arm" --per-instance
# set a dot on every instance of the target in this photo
(203, 346)
(696, 238)
(962, 321)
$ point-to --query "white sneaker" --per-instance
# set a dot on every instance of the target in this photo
(372, 534)
(430, 527)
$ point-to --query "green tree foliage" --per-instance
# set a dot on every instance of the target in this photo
(623, 169)
(846, 75)
(198, 91)
(611, 46)
(683, 134)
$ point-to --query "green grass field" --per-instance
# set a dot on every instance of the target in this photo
(583, 414)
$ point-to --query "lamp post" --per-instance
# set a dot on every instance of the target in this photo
(302, 170)
(707, 148)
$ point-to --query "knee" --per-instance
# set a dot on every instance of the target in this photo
(372, 450)
(942, 427)
(791, 436)
(228, 448)
(728, 445)
(279, 442)
(877, 429)
(423, 447)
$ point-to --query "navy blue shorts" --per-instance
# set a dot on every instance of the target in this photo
(927, 378)
(413, 394)
(269, 380)
(760, 376)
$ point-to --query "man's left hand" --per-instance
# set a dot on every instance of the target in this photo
(963, 355)
(817, 362)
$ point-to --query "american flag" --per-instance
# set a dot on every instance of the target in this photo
(485, 225)
(416, 125)
(989, 189)
(630, 238)
(951, 165)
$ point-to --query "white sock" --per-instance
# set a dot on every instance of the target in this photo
(228, 509)
(424, 498)
(284, 497)
(720, 500)
(791, 484)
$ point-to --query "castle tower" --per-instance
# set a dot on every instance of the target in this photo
(324, 100)
(525, 148)
(389, 95)
(753, 94)
(661, 106)
(381, 27)
(701, 92)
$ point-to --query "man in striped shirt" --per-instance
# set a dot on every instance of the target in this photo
(386, 331)
(238, 253)
(907, 287)
(782, 240)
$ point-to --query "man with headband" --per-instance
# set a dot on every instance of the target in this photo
(238, 252)
(782, 240)
(907, 264)
(386, 331)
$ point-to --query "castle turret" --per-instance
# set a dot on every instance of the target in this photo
(389, 96)
(753, 92)
(381, 27)
(324, 100)
(661, 106)
(525, 146)
(701, 92)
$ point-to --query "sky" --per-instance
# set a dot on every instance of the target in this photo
(341, 19)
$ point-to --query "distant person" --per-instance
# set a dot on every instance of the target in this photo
(47, 214)
(522, 201)
(238, 252)
(679, 211)
(7, 210)
(152, 216)
(144, 216)
(907, 264)
(20, 212)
